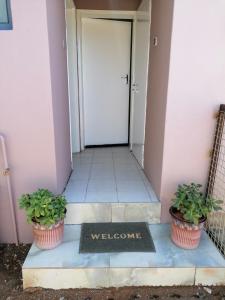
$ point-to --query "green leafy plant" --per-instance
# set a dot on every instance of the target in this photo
(192, 204)
(43, 207)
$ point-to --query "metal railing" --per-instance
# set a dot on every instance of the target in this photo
(216, 184)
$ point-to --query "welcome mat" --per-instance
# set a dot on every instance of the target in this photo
(115, 237)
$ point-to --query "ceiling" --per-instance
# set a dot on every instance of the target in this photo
(107, 4)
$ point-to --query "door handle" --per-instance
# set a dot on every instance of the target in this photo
(126, 77)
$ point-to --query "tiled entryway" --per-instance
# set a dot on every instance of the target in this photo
(108, 175)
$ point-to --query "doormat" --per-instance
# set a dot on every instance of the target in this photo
(115, 237)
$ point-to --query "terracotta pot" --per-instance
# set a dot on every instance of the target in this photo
(48, 237)
(184, 234)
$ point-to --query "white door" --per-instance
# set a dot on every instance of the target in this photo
(140, 84)
(106, 50)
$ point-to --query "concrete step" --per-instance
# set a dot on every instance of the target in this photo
(78, 213)
(63, 267)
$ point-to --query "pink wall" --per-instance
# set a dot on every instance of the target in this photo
(27, 117)
(60, 102)
(161, 26)
(107, 4)
(180, 126)
(196, 88)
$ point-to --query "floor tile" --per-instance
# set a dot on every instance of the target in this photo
(133, 197)
(103, 154)
(120, 149)
(103, 185)
(82, 167)
(124, 160)
(102, 174)
(127, 175)
(83, 154)
(103, 197)
(74, 196)
(82, 160)
(102, 150)
(103, 167)
(125, 167)
(130, 186)
(80, 174)
(140, 260)
(77, 185)
(112, 170)
(122, 155)
(66, 255)
(102, 160)
(76, 190)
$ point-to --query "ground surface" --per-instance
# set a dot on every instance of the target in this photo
(11, 260)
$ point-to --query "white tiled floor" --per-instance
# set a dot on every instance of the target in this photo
(108, 175)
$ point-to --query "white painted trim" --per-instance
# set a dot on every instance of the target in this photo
(98, 14)
(140, 14)
(70, 15)
(80, 79)
(132, 82)
(114, 14)
(148, 62)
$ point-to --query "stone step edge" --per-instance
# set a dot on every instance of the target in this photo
(78, 213)
(62, 278)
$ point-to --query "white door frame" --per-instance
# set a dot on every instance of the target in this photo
(101, 14)
(71, 41)
(142, 15)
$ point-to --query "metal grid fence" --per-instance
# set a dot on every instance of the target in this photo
(216, 184)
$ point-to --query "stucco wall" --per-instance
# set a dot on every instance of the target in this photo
(161, 27)
(59, 87)
(181, 106)
(26, 114)
(196, 88)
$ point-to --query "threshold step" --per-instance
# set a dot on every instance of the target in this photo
(78, 213)
(64, 267)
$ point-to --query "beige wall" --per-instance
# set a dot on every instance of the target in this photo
(29, 91)
(161, 26)
(107, 4)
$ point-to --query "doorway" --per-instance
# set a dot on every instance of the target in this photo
(106, 57)
(105, 51)
(112, 79)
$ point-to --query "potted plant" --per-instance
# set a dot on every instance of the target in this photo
(46, 212)
(189, 212)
